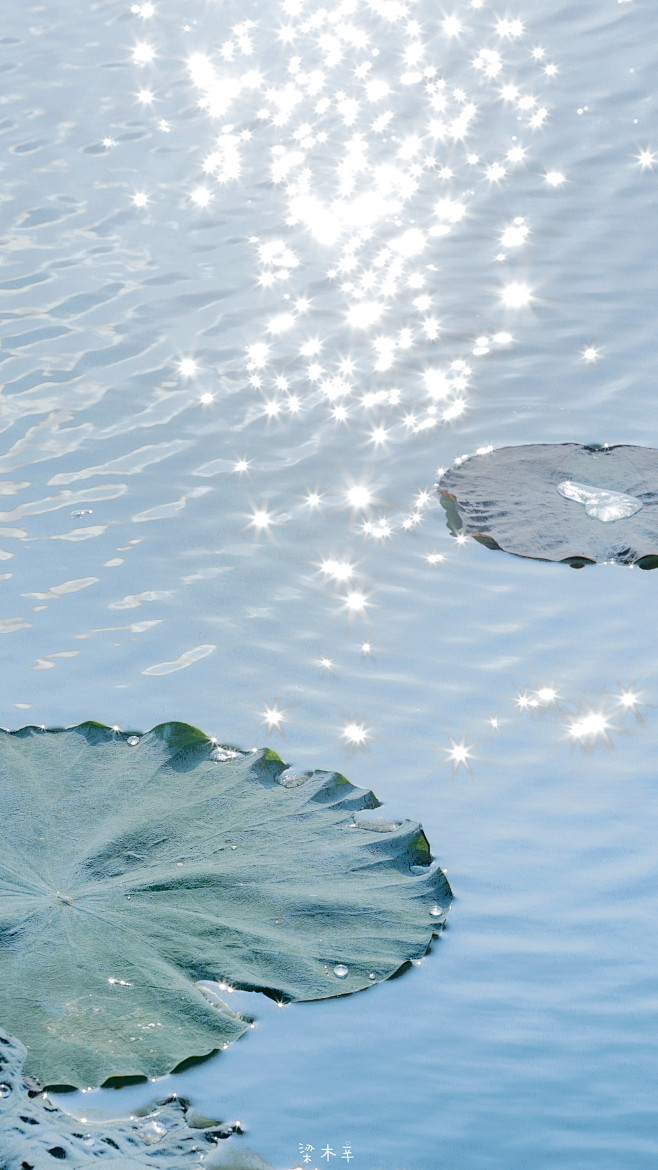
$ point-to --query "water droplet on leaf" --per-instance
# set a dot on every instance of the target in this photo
(152, 1133)
(222, 754)
(600, 503)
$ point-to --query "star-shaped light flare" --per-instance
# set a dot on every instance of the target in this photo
(629, 699)
(273, 717)
(355, 735)
(459, 754)
(646, 159)
(590, 353)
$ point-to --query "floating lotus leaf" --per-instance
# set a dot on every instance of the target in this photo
(134, 866)
(559, 502)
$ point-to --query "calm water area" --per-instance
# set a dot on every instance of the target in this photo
(266, 268)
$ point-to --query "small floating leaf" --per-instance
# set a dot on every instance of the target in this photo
(559, 502)
(131, 871)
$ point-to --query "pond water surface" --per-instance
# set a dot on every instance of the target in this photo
(266, 269)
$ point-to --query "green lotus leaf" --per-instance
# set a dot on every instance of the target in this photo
(133, 867)
(559, 502)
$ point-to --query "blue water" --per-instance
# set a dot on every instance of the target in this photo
(247, 316)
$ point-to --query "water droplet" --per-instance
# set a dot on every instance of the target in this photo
(222, 754)
(152, 1133)
(233, 846)
(437, 912)
(600, 503)
(341, 971)
(77, 515)
(132, 740)
(5, 1090)
(372, 975)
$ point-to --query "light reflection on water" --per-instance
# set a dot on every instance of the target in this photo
(266, 271)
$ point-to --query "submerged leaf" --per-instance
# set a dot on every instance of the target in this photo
(134, 867)
(559, 502)
(167, 1135)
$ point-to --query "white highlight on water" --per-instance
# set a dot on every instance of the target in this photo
(600, 503)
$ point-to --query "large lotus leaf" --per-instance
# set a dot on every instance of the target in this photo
(133, 867)
(559, 502)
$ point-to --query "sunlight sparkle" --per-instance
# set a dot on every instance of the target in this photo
(458, 754)
(355, 734)
(516, 295)
(359, 496)
(593, 726)
(646, 159)
(273, 716)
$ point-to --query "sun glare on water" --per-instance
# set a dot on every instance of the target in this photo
(343, 155)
